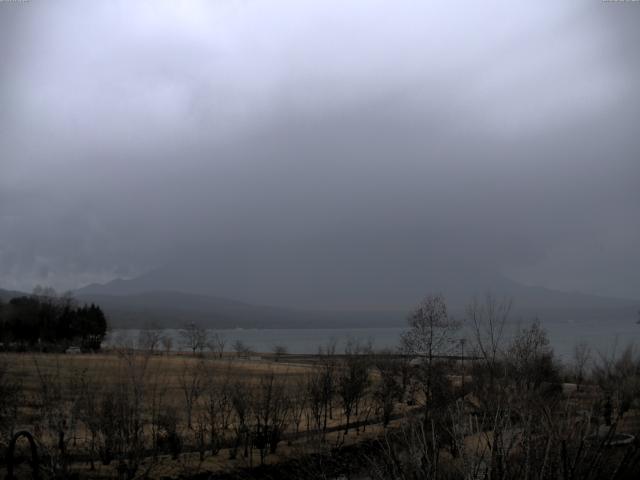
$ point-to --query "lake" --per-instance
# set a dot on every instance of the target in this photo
(601, 336)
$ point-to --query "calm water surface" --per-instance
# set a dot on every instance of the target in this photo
(563, 337)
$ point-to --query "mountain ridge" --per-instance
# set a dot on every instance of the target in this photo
(458, 289)
(175, 295)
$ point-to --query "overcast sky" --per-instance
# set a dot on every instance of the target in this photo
(315, 139)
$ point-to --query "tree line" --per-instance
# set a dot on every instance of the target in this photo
(46, 321)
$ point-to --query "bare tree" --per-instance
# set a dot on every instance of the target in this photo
(388, 389)
(619, 380)
(213, 394)
(327, 381)
(431, 332)
(270, 407)
(241, 402)
(149, 338)
(241, 349)
(430, 329)
(217, 406)
(530, 358)
(56, 409)
(217, 343)
(352, 381)
(316, 397)
(88, 409)
(488, 320)
(156, 403)
(191, 385)
(581, 358)
(412, 451)
(125, 413)
(194, 337)
(279, 351)
(556, 443)
(299, 402)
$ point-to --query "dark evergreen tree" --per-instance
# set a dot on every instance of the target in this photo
(43, 322)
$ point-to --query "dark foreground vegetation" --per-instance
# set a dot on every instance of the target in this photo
(497, 405)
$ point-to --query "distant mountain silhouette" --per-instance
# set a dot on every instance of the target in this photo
(458, 286)
(174, 296)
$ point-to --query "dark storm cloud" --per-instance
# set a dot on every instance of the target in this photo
(318, 143)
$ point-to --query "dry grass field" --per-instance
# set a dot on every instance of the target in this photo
(167, 383)
(28, 368)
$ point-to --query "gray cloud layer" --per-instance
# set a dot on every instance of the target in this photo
(320, 139)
